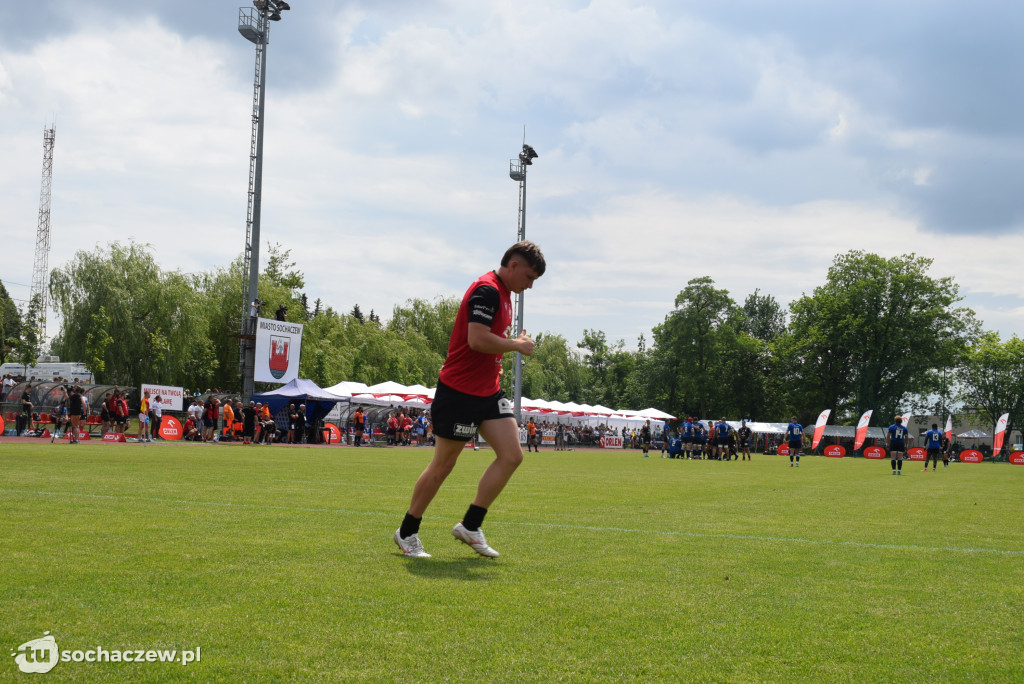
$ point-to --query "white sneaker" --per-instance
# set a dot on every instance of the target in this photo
(475, 540)
(411, 546)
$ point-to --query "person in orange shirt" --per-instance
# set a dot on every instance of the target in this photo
(228, 415)
(531, 436)
(359, 423)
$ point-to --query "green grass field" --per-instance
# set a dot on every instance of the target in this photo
(278, 563)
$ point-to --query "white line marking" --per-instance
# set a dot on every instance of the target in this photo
(587, 528)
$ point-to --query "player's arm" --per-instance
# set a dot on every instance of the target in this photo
(483, 304)
(482, 340)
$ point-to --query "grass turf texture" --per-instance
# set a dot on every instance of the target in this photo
(279, 564)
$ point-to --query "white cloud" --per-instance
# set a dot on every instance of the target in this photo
(673, 144)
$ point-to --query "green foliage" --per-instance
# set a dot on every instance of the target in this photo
(157, 320)
(992, 379)
(10, 325)
(692, 347)
(763, 317)
(27, 346)
(875, 335)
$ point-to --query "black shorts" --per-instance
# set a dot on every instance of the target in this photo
(208, 423)
(933, 454)
(457, 415)
(795, 447)
(744, 444)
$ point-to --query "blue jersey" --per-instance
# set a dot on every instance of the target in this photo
(897, 435)
(933, 439)
(687, 429)
(795, 433)
(723, 430)
(675, 445)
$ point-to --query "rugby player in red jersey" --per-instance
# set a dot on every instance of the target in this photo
(469, 398)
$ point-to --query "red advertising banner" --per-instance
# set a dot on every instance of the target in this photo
(835, 451)
(917, 454)
(1, 425)
(819, 427)
(874, 452)
(610, 442)
(82, 434)
(970, 456)
(332, 434)
(862, 430)
(783, 450)
(170, 428)
(1017, 458)
(114, 437)
(997, 441)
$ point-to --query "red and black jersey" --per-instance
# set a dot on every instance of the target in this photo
(489, 302)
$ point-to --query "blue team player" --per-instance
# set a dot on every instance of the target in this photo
(688, 438)
(795, 435)
(675, 446)
(933, 442)
(896, 442)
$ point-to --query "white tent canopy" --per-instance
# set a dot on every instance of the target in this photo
(392, 393)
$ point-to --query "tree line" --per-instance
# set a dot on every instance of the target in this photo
(879, 333)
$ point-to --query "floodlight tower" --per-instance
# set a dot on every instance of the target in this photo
(254, 25)
(517, 172)
(40, 270)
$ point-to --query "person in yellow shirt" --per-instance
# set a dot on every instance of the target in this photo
(143, 434)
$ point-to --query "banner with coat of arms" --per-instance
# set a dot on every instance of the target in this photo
(278, 345)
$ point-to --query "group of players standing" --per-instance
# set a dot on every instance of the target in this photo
(718, 441)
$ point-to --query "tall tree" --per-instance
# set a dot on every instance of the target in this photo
(10, 325)
(992, 380)
(27, 347)
(689, 346)
(875, 335)
(157, 320)
(763, 317)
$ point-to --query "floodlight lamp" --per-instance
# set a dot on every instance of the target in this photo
(282, 6)
(528, 154)
(274, 16)
(259, 4)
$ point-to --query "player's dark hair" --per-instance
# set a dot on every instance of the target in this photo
(529, 252)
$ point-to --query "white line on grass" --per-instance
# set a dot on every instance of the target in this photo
(587, 528)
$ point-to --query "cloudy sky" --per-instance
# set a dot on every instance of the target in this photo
(747, 140)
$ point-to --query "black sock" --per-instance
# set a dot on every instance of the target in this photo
(410, 526)
(474, 517)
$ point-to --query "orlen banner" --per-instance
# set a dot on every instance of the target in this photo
(917, 454)
(1017, 458)
(278, 345)
(997, 442)
(170, 427)
(170, 397)
(949, 428)
(862, 430)
(611, 442)
(874, 452)
(971, 456)
(819, 428)
(835, 451)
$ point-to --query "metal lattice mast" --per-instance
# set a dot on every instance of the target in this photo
(40, 270)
